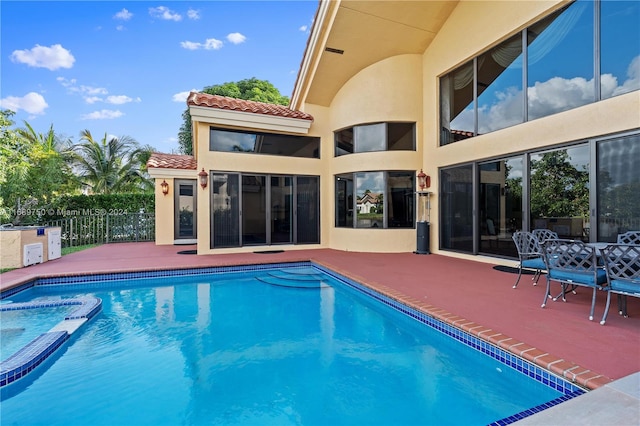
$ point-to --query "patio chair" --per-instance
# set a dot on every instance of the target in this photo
(629, 237)
(530, 255)
(544, 234)
(622, 262)
(572, 263)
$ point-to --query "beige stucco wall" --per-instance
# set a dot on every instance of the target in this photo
(164, 212)
(452, 47)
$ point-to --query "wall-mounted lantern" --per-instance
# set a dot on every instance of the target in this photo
(424, 181)
(203, 177)
(165, 187)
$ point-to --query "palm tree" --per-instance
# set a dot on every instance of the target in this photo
(110, 165)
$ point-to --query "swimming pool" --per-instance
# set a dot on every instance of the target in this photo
(267, 344)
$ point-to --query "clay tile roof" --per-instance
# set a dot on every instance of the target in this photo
(171, 161)
(224, 102)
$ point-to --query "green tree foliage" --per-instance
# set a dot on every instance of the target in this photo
(558, 188)
(126, 203)
(112, 164)
(34, 170)
(250, 89)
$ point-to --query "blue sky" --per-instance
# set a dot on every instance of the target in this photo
(125, 68)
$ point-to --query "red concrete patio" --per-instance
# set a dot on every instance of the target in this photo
(471, 295)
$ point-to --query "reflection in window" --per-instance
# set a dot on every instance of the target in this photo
(559, 188)
(500, 205)
(618, 187)
(456, 208)
(370, 200)
(375, 137)
(499, 86)
(620, 47)
(382, 199)
(264, 143)
(456, 109)
(560, 61)
(369, 138)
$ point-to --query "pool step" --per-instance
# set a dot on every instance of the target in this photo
(297, 279)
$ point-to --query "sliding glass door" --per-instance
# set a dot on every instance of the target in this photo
(250, 209)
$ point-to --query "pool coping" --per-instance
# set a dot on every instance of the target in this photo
(567, 370)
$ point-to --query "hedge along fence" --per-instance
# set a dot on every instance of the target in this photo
(102, 227)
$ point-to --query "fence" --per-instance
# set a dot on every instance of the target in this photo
(108, 228)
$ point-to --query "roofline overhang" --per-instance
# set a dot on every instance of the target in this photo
(249, 120)
(168, 173)
(322, 24)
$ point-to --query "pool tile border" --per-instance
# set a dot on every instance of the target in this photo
(42, 347)
(565, 377)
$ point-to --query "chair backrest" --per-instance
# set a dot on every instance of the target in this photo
(526, 244)
(544, 234)
(629, 237)
(570, 256)
(622, 262)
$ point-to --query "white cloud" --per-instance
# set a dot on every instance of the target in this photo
(120, 99)
(120, 28)
(52, 58)
(236, 38)
(163, 12)
(193, 14)
(209, 44)
(303, 28)
(124, 15)
(105, 114)
(92, 99)
(182, 96)
(32, 102)
(633, 80)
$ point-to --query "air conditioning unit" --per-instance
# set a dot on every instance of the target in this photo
(32, 254)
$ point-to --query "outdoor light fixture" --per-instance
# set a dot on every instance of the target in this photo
(203, 177)
(165, 187)
(424, 181)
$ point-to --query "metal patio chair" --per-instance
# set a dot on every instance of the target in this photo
(629, 237)
(530, 255)
(622, 262)
(544, 234)
(572, 263)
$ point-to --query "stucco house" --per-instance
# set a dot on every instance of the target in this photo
(523, 114)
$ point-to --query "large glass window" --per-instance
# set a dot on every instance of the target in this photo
(264, 143)
(375, 137)
(559, 191)
(225, 210)
(560, 61)
(618, 187)
(380, 200)
(499, 86)
(486, 93)
(308, 209)
(620, 47)
(456, 199)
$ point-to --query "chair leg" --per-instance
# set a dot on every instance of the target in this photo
(593, 304)
(547, 293)
(519, 275)
(536, 277)
(606, 309)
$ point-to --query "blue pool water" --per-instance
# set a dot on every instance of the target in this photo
(19, 327)
(263, 347)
